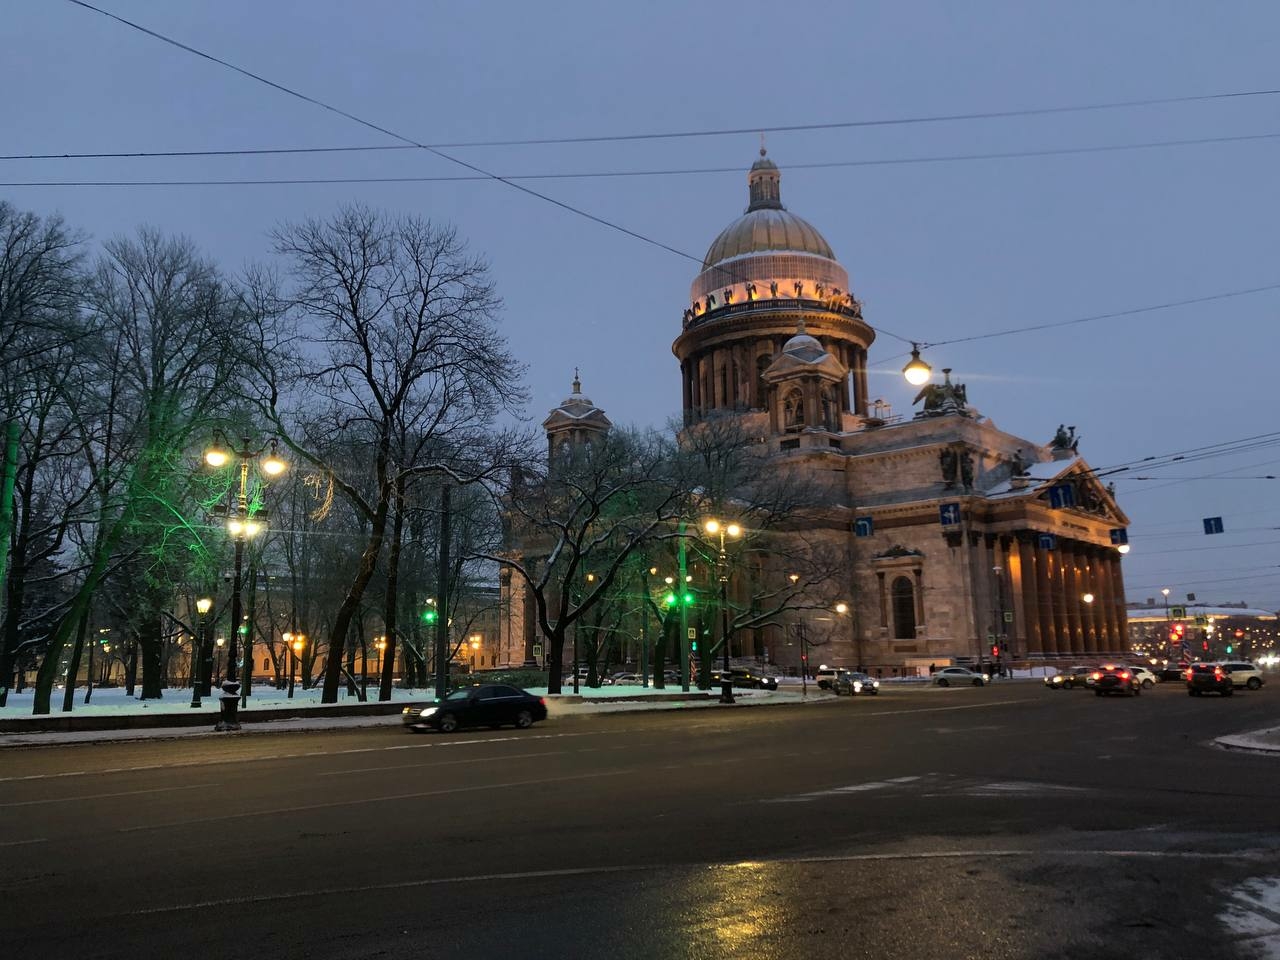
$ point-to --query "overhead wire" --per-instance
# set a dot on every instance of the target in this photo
(568, 207)
(582, 175)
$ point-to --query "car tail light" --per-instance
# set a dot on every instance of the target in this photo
(1188, 673)
(1124, 676)
(1217, 671)
(1097, 676)
(543, 701)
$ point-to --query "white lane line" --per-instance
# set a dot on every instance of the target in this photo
(843, 791)
(211, 761)
(19, 843)
(443, 763)
(105, 796)
(1051, 854)
(363, 800)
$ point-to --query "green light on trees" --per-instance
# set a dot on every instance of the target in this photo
(430, 616)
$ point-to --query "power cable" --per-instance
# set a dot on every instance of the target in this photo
(815, 165)
(578, 211)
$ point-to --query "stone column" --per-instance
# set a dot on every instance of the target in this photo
(918, 577)
(884, 604)
(1071, 595)
(1027, 622)
(686, 378)
(860, 383)
(1057, 599)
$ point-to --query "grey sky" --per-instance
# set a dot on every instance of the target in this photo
(935, 251)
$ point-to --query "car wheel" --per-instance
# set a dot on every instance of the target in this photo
(1193, 693)
(1253, 683)
(1067, 685)
(1137, 689)
(1228, 691)
(524, 719)
(977, 682)
(1097, 693)
(448, 723)
(1148, 684)
(943, 682)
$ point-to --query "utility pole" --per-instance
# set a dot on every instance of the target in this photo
(683, 589)
(13, 432)
(442, 598)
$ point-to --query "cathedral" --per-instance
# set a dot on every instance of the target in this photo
(964, 544)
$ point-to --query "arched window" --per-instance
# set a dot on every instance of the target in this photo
(793, 410)
(903, 594)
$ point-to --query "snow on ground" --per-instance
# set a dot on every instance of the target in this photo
(1253, 915)
(113, 700)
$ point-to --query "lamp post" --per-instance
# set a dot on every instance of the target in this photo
(295, 641)
(218, 643)
(644, 626)
(475, 648)
(715, 527)
(917, 371)
(241, 526)
(203, 606)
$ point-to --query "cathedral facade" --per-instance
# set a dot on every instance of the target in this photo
(964, 543)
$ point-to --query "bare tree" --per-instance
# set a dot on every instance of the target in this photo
(400, 358)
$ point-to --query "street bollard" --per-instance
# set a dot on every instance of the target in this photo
(229, 702)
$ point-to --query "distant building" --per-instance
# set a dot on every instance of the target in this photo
(964, 541)
(1202, 631)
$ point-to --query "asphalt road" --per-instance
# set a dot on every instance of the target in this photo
(1010, 821)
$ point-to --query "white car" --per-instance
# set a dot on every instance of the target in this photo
(1243, 673)
(1146, 678)
(958, 676)
(826, 677)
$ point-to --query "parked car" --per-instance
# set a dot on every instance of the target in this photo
(854, 683)
(626, 679)
(1243, 674)
(1111, 679)
(1208, 678)
(487, 705)
(1173, 671)
(1069, 678)
(951, 676)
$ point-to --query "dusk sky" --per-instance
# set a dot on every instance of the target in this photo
(936, 250)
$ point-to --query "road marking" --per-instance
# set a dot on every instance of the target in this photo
(19, 843)
(843, 791)
(363, 800)
(924, 855)
(306, 754)
(105, 796)
(442, 763)
(1017, 788)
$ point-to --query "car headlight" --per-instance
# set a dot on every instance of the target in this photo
(875, 683)
(857, 686)
(429, 711)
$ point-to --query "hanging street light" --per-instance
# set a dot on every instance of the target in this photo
(917, 371)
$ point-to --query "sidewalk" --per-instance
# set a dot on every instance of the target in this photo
(1256, 741)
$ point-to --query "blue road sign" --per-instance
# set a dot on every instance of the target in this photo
(1119, 536)
(1047, 541)
(1212, 525)
(949, 514)
(863, 527)
(1062, 495)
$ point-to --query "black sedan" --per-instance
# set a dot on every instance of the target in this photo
(742, 677)
(1113, 679)
(1208, 678)
(490, 705)
(1066, 679)
(855, 683)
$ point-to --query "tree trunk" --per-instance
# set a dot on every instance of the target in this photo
(555, 659)
(151, 643)
(351, 602)
(390, 606)
(131, 667)
(660, 652)
(443, 603)
(73, 671)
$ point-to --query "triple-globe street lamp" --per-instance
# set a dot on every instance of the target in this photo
(296, 642)
(716, 528)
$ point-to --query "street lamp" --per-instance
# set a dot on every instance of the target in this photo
(716, 528)
(219, 642)
(296, 642)
(241, 526)
(917, 371)
(1087, 597)
(203, 606)
(475, 648)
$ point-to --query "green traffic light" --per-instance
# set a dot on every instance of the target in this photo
(688, 599)
(669, 599)
(1230, 647)
(429, 616)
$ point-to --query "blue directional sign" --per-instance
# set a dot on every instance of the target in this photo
(949, 514)
(1119, 536)
(1047, 541)
(1062, 495)
(1212, 524)
(863, 527)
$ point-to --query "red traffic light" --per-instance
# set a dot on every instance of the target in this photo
(995, 650)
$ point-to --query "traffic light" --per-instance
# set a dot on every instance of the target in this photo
(1230, 648)
(995, 650)
(688, 599)
(670, 598)
(695, 646)
(1204, 644)
(430, 616)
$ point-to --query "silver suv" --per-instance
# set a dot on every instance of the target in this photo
(1243, 674)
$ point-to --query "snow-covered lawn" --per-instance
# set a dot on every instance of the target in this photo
(113, 700)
